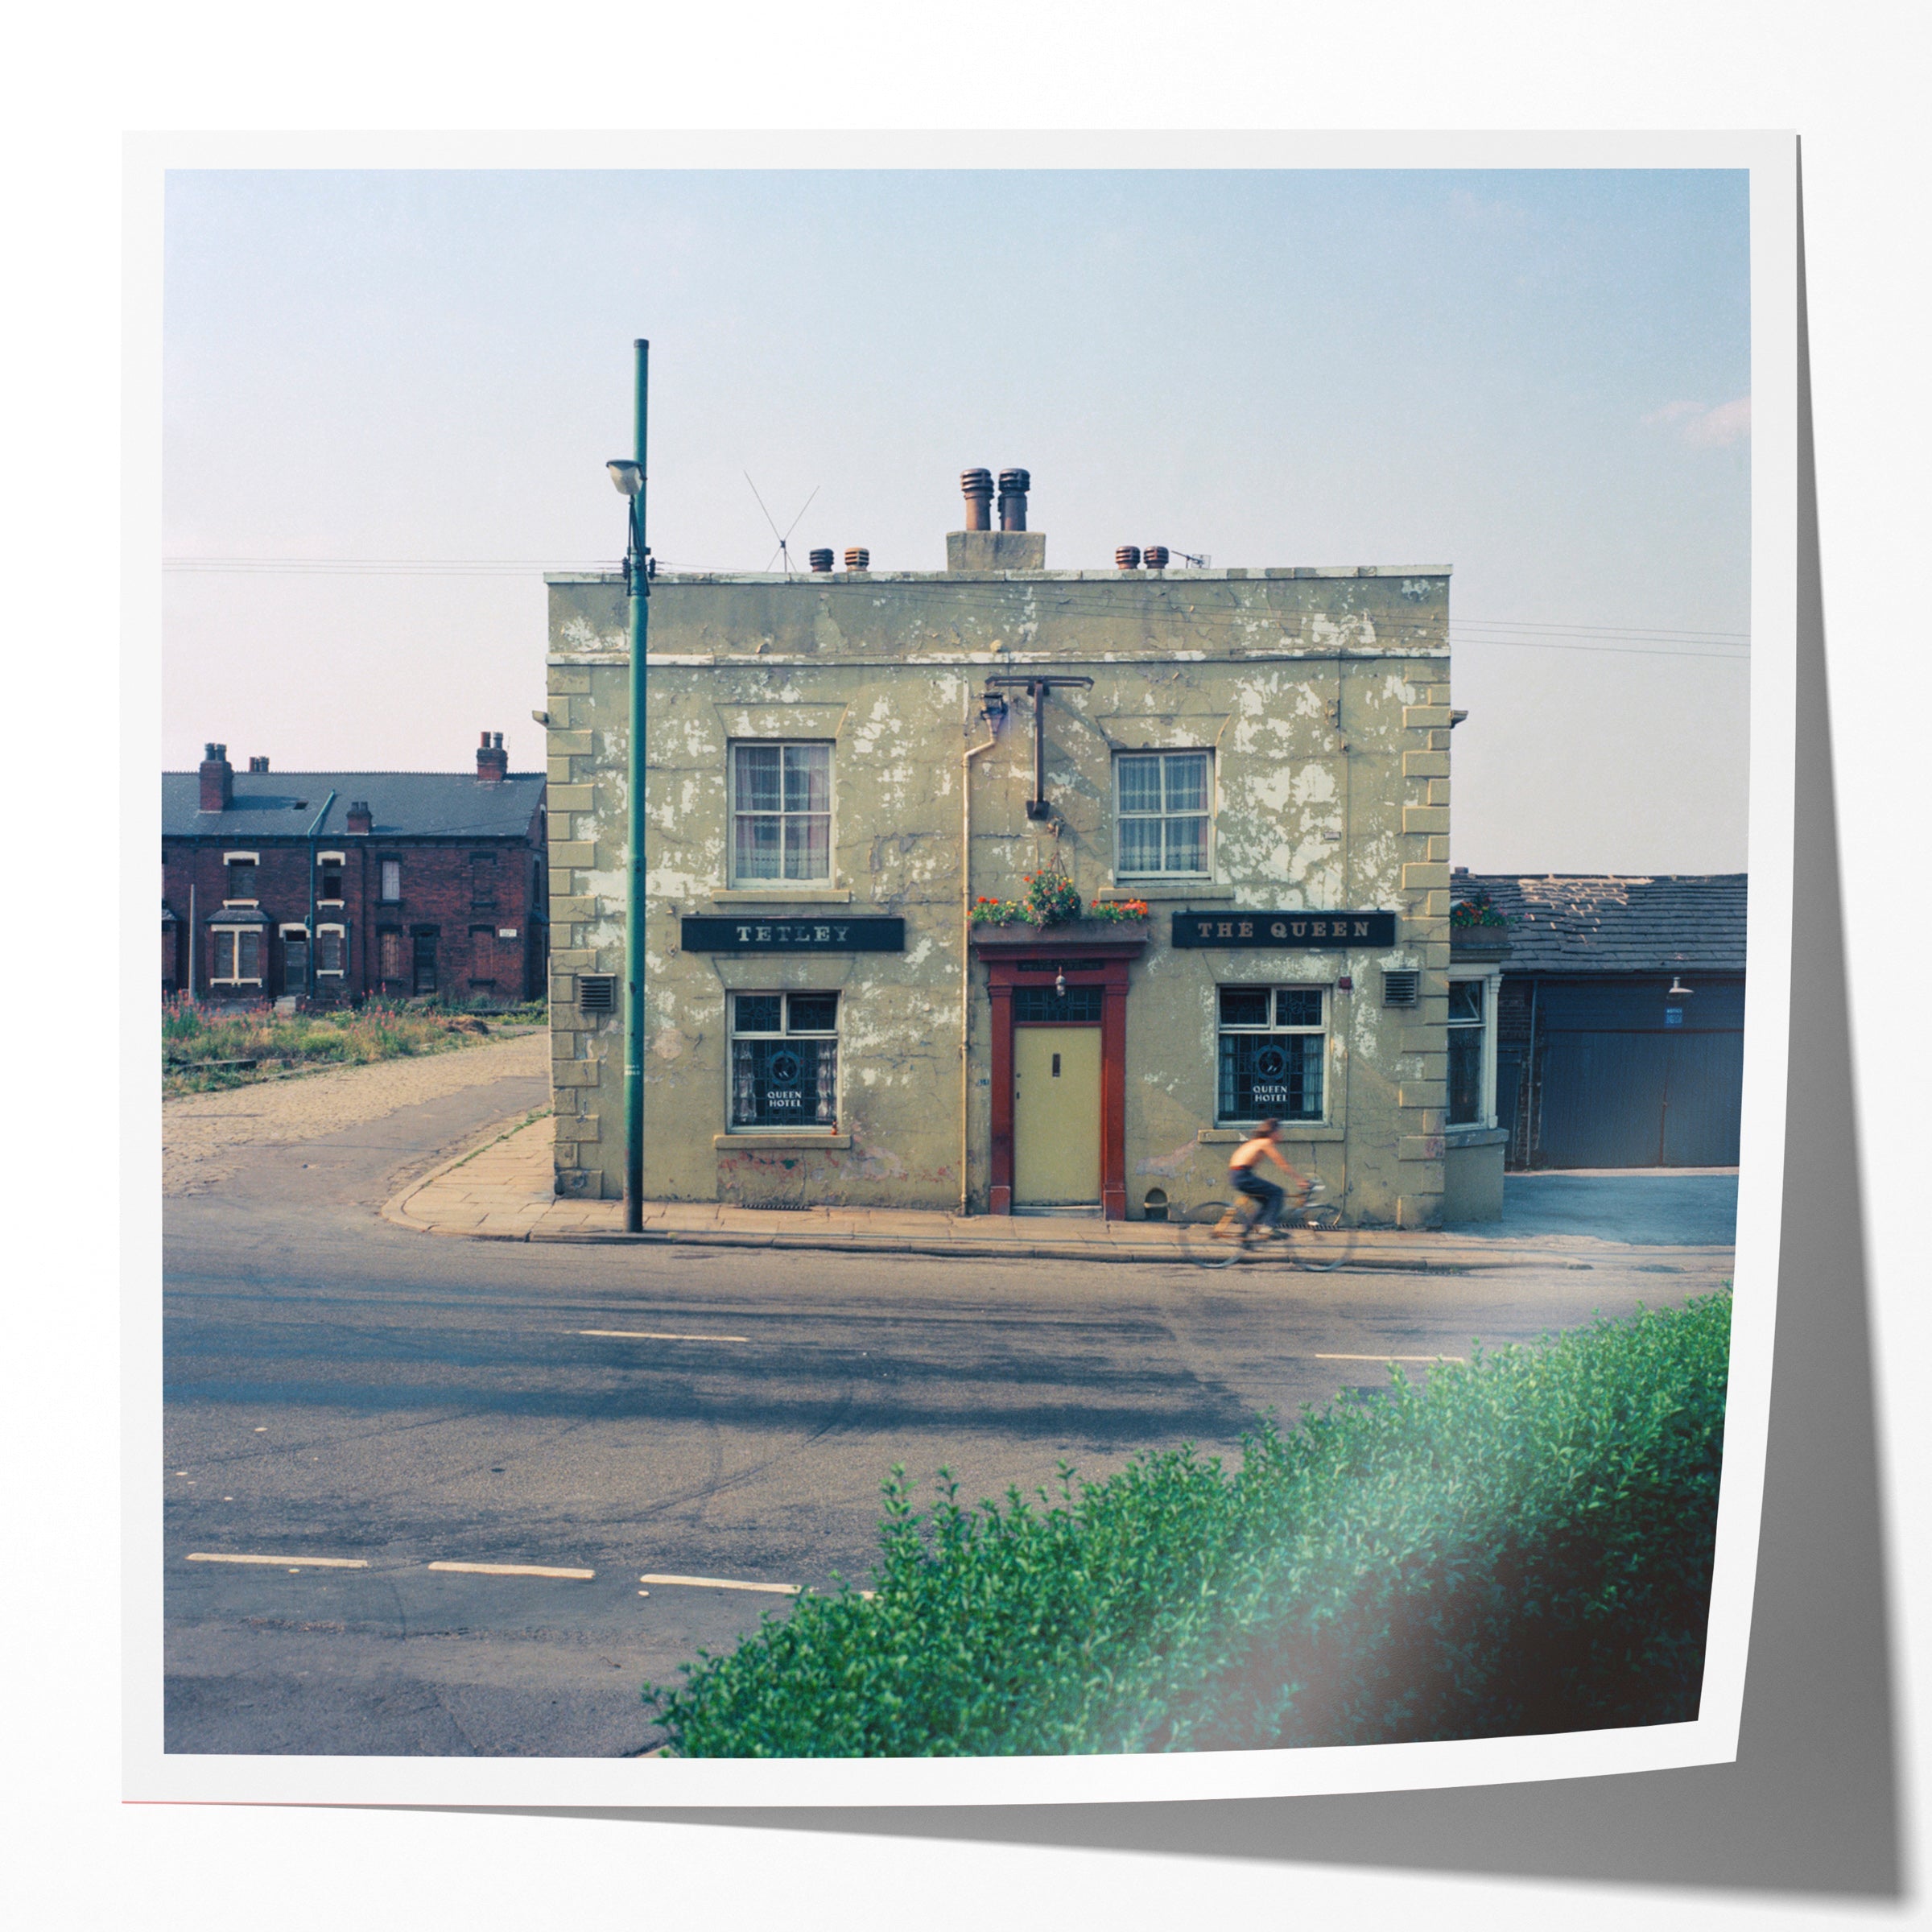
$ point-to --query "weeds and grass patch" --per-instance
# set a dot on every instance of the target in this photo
(1523, 1546)
(205, 1049)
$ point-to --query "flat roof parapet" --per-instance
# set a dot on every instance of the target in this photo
(820, 579)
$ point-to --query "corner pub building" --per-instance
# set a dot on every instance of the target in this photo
(843, 766)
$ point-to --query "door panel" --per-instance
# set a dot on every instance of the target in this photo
(1056, 1115)
(1705, 1101)
(1603, 1100)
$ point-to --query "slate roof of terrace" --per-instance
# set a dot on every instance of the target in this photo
(1597, 923)
(403, 804)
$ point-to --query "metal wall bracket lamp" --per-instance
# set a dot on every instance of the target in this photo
(1037, 688)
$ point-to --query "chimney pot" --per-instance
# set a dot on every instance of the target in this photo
(217, 780)
(359, 820)
(492, 761)
(258, 764)
(858, 559)
(977, 484)
(820, 560)
(1127, 557)
(1014, 486)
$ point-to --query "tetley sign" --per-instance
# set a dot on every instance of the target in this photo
(714, 934)
(1325, 930)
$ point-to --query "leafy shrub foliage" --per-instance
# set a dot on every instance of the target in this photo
(1523, 1546)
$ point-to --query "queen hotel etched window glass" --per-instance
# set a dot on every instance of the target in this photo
(1274, 1045)
(785, 1059)
(1162, 813)
(781, 811)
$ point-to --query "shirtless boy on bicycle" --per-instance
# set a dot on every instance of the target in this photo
(1241, 1172)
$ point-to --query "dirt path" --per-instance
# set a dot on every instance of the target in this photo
(200, 1130)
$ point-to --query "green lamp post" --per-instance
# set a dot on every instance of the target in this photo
(627, 475)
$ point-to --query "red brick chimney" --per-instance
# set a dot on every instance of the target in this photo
(492, 761)
(360, 822)
(217, 780)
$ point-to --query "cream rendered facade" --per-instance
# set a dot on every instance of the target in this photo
(1320, 698)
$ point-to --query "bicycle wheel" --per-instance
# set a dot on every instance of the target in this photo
(1320, 1243)
(1211, 1234)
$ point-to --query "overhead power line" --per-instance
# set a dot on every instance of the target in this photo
(1515, 634)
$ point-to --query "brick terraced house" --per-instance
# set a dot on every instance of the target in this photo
(324, 886)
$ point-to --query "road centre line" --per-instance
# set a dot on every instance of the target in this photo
(723, 1582)
(282, 1562)
(512, 1570)
(648, 1335)
(1390, 1358)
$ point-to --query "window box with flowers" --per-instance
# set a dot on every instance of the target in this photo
(1052, 901)
(1478, 931)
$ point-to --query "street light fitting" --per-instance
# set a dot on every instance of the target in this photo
(627, 477)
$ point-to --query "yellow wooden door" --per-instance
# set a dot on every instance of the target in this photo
(1056, 1115)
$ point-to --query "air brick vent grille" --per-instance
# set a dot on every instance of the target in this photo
(597, 992)
(1399, 988)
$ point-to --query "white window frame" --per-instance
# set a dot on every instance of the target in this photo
(1490, 978)
(732, 1035)
(748, 882)
(1325, 1028)
(329, 972)
(382, 866)
(217, 932)
(229, 861)
(1122, 876)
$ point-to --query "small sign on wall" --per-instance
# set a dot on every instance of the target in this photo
(715, 935)
(1323, 932)
(506, 932)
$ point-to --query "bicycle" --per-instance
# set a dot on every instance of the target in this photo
(1217, 1234)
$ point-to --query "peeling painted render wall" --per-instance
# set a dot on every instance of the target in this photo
(1324, 696)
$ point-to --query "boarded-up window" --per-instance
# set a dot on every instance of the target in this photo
(238, 955)
(389, 954)
(392, 881)
(482, 955)
(331, 951)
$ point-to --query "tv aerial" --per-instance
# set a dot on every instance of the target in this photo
(783, 551)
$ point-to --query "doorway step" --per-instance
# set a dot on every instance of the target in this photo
(1064, 1210)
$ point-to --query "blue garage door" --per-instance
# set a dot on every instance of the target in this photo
(1624, 1085)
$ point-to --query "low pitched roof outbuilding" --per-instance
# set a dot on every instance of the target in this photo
(1606, 922)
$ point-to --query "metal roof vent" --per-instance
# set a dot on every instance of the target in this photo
(596, 992)
(1400, 989)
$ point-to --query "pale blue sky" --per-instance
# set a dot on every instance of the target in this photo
(1541, 378)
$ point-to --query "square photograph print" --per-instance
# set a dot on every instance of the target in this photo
(972, 981)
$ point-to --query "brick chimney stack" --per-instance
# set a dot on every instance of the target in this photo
(360, 822)
(492, 761)
(217, 780)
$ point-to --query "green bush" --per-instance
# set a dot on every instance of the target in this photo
(1523, 1546)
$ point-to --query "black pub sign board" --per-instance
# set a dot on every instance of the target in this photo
(710, 933)
(1322, 931)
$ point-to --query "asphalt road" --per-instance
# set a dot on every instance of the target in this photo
(337, 1387)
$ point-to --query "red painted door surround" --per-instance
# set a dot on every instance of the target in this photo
(1037, 960)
